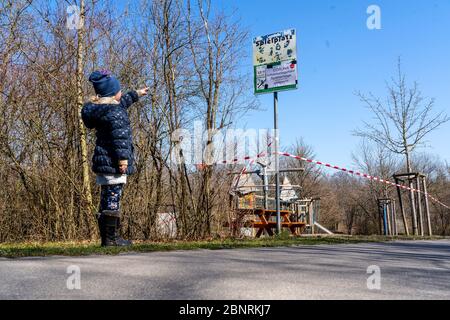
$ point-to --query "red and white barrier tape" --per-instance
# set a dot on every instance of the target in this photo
(364, 175)
(352, 172)
(252, 160)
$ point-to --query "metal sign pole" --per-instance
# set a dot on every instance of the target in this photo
(277, 163)
(275, 69)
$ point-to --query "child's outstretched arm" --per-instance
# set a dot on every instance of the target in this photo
(131, 97)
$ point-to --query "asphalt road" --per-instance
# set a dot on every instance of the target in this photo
(408, 270)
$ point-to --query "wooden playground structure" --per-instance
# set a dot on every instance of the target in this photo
(254, 208)
(258, 212)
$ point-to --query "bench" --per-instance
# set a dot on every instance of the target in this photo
(264, 222)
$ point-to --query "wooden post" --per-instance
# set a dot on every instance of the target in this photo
(413, 207)
(391, 223)
(380, 222)
(402, 208)
(427, 206)
(380, 216)
(419, 205)
(394, 218)
(388, 218)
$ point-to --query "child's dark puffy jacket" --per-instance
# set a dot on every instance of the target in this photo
(113, 130)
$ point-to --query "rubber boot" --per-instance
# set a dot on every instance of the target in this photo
(101, 228)
(110, 220)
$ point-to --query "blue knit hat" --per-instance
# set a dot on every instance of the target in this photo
(105, 84)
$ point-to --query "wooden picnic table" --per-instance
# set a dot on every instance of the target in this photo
(265, 223)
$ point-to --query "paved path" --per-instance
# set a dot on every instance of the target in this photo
(411, 269)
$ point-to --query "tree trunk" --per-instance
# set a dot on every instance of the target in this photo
(82, 131)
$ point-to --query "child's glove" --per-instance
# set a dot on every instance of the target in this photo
(123, 166)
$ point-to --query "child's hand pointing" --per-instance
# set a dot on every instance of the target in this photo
(143, 92)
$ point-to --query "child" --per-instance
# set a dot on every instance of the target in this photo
(113, 156)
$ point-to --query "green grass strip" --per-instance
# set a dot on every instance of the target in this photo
(33, 249)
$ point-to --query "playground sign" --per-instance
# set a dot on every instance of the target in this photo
(275, 62)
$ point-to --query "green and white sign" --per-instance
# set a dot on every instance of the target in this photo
(275, 62)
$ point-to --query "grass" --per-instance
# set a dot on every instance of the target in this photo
(32, 249)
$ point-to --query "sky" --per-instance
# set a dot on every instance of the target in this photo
(338, 55)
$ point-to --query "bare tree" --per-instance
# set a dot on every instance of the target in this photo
(215, 48)
(402, 121)
(377, 161)
(309, 179)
